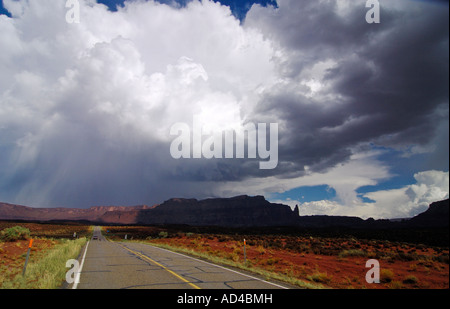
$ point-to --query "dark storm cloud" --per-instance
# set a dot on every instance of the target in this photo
(86, 111)
(390, 77)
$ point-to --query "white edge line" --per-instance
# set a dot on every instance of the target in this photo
(77, 278)
(274, 284)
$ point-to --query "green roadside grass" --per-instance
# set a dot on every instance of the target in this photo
(48, 270)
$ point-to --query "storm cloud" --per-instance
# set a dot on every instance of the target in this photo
(86, 109)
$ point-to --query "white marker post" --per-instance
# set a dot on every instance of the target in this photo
(245, 254)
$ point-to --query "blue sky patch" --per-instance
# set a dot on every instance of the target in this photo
(307, 194)
(238, 7)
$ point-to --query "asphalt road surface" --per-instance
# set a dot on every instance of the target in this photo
(127, 265)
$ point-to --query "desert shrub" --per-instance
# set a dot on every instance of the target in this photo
(320, 277)
(233, 256)
(163, 234)
(352, 252)
(443, 258)
(252, 242)
(386, 275)
(413, 267)
(329, 251)
(237, 251)
(261, 250)
(15, 233)
(276, 245)
(395, 285)
(402, 256)
(410, 280)
(272, 261)
(222, 238)
(316, 250)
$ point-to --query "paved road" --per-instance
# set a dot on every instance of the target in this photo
(126, 265)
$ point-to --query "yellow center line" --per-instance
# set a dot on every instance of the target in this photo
(160, 265)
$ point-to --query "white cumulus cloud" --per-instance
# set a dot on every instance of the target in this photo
(405, 202)
(86, 109)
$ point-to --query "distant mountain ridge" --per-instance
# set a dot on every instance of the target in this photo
(239, 211)
(94, 214)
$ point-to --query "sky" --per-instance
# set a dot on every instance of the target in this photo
(86, 109)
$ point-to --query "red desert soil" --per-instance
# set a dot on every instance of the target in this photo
(13, 254)
(50, 230)
(331, 271)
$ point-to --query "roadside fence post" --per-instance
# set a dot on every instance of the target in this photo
(28, 256)
(245, 253)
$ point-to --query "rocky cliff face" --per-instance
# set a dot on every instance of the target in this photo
(236, 211)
